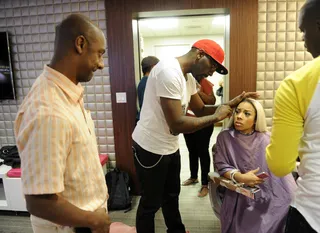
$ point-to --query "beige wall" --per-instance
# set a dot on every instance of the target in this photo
(31, 25)
(280, 48)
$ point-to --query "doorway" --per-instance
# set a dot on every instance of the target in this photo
(121, 57)
(173, 36)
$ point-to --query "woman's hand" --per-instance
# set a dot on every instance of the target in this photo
(249, 178)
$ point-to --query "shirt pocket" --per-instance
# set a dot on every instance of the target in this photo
(90, 123)
(80, 135)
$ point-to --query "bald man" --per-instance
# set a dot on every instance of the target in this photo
(62, 177)
(295, 130)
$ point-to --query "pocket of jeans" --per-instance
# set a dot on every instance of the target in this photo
(134, 152)
(136, 155)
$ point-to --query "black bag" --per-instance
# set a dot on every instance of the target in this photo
(82, 230)
(118, 188)
(219, 92)
(10, 156)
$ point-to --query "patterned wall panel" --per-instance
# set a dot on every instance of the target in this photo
(280, 47)
(31, 24)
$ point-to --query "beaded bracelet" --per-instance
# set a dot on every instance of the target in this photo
(232, 174)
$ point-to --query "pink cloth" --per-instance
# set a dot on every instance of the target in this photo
(43, 226)
(119, 227)
(16, 172)
(103, 159)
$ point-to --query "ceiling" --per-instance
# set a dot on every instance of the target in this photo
(182, 26)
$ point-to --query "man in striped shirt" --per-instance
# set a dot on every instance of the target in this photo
(62, 178)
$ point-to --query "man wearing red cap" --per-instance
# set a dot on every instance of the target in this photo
(170, 90)
(198, 141)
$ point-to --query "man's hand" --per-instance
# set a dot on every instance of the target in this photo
(223, 111)
(249, 178)
(235, 101)
(102, 221)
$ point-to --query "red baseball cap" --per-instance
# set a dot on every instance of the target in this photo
(214, 50)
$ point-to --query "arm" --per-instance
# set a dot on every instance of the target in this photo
(207, 99)
(224, 166)
(221, 159)
(56, 209)
(205, 92)
(141, 90)
(236, 100)
(169, 86)
(287, 129)
(179, 123)
(202, 102)
(248, 178)
(199, 108)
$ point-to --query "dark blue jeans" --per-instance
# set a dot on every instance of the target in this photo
(296, 223)
(160, 187)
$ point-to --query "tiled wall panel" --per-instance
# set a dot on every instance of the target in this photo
(280, 47)
(31, 24)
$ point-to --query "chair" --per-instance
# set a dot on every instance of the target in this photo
(216, 192)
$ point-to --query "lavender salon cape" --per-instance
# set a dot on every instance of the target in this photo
(240, 214)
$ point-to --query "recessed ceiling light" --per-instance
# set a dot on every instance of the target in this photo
(219, 20)
(160, 23)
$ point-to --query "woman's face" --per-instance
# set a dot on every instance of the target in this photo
(244, 117)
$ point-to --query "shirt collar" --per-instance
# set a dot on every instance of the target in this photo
(75, 92)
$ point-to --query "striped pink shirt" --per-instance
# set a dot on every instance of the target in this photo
(57, 143)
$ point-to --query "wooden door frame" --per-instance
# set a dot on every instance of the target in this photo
(120, 13)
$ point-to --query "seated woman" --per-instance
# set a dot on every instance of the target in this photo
(240, 156)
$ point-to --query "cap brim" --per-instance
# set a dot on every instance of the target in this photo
(222, 70)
